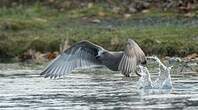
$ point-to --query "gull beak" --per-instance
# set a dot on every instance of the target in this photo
(97, 56)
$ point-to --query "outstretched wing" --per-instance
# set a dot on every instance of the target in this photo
(133, 55)
(79, 55)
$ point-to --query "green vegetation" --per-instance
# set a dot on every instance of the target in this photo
(43, 28)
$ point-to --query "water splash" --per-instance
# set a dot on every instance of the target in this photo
(91, 89)
(145, 80)
(163, 81)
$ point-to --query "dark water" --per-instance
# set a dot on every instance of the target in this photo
(23, 88)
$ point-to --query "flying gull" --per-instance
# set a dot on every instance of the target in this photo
(87, 54)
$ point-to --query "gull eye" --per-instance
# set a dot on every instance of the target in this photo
(104, 52)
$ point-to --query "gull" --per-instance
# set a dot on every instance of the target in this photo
(86, 54)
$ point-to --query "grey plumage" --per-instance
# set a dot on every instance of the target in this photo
(132, 56)
(87, 54)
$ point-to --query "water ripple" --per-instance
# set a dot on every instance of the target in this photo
(25, 89)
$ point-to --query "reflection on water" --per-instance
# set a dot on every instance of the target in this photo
(23, 88)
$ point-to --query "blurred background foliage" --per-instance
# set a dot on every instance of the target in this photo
(161, 27)
(126, 5)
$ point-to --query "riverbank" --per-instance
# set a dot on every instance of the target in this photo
(43, 29)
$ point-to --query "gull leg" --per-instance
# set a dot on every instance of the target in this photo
(127, 75)
(182, 68)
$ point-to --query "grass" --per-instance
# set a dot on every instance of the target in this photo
(43, 29)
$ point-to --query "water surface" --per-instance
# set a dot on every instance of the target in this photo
(22, 88)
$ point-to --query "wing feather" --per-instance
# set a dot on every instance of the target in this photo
(132, 56)
(79, 55)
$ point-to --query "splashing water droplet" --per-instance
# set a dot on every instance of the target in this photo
(163, 81)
